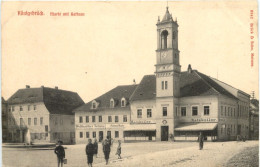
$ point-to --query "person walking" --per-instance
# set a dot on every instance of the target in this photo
(201, 140)
(118, 151)
(60, 152)
(89, 152)
(95, 147)
(106, 148)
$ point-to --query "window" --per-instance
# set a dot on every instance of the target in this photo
(112, 103)
(93, 119)
(206, 110)
(21, 108)
(94, 105)
(162, 85)
(13, 108)
(81, 134)
(225, 110)
(35, 121)
(116, 134)
(176, 111)
(228, 111)
(29, 107)
(234, 112)
(116, 118)
(164, 35)
(34, 107)
(139, 113)
(87, 118)
(100, 118)
(61, 121)
(87, 134)
(94, 134)
(80, 119)
(231, 109)
(166, 84)
(194, 110)
(164, 111)
(222, 110)
(109, 118)
(41, 120)
(183, 111)
(21, 122)
(29, 121)
(123, 102)
(56, 121)
(125, 118)
(149, 113)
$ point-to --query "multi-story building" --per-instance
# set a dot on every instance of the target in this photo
(175, 104)
(106, 115)
(4, 120)
(43, 113)
(254, 119)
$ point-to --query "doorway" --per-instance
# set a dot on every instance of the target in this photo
(100, 136)
(164, 133)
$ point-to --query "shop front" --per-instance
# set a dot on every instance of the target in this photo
(140, 132)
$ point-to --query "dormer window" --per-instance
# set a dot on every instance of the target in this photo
(123, 102)
(112, 103)
(94, 104)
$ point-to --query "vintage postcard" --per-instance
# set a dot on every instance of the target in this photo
(125, 84)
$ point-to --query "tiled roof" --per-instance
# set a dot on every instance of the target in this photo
(56, 101)
(146, 89)
(117, 94)
(191, 84)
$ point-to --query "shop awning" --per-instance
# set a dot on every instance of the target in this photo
(196, 127)
(140, 127)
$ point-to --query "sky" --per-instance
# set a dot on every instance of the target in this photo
(115, 42)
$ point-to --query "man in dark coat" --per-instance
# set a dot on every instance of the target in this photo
(106, 148)
(95, 147)
(201, 140)
(60, 152)
(89, 152)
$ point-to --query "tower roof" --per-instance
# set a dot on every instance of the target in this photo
(167, 16)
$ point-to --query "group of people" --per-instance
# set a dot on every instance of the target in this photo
(91, 150)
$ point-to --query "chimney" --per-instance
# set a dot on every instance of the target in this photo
(56, 87)
(42, 86)
(134, 82)
(27, 86)
(189, 69)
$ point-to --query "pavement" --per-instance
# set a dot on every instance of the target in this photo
(153, 154)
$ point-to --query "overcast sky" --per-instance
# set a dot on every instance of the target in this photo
(115, 42)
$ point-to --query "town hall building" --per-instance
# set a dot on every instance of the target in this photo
(169, 105)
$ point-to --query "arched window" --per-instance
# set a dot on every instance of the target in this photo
(112, 103)
(123, 102)
(164, 39)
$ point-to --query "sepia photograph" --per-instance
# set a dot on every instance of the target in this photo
(130, 83)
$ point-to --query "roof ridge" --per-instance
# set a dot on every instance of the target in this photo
(197, 72)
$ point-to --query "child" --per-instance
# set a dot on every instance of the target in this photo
(118, 152)
(60, 152)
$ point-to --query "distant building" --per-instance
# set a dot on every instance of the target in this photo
(4, 120)
(172, 104)
(45, 113)
(254, 119)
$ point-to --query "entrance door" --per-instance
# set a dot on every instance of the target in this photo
(100, 136)
(109, 134)
(238, 129)
(164, 133)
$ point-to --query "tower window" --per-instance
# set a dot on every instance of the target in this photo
(164, 39)
(164, 111)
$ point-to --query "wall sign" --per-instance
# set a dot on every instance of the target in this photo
(204, 120)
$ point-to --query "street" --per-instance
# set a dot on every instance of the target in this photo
(135, 154)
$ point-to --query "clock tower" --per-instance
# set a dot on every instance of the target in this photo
(167, 76)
